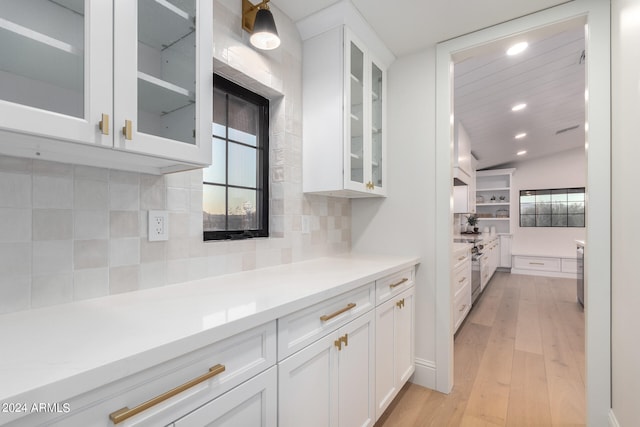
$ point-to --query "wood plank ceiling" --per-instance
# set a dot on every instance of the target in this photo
(549, 77)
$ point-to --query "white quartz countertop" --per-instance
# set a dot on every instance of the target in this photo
(54, 353)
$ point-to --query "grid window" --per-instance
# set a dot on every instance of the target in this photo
(562, 207)
(236, 184)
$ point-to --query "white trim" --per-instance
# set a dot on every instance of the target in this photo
(613, 422)
(598, 316)
(425, 373)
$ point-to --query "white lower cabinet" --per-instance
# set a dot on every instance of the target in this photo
(331, 381)
(395, 331)
(252, 404)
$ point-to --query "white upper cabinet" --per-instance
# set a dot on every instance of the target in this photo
(344, 104)
(134, 77)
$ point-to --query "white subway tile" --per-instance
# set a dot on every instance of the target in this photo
(15, 259)
(90, 194)
(52, 224)
(90, 283)
(90, 254)
(124, 252)
(124, 197)
(124, 279)
(90, 224)
(52, 257)
(52, 192)
(15, 293)
(15, 190)
(51, 289)
(153, 275)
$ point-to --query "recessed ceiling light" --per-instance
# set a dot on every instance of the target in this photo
(517, 48)
(519, 107)
(521, 153)
(520, 135)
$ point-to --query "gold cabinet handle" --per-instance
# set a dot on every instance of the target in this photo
(126, 130)
(395, 285)
(400, 303)
(337, 313)
(338, 343)
(536, 263)
(125, 413)
(104, 124)
(462, 280)
(463, 307)
(461, 258)
(345, 339)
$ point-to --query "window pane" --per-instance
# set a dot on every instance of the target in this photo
(575, 221)
(543, 220)
(576, 208)
(242, 165)
(543, 196)
(242, 209)
(559, 197)
(217, 171)
(214, 208)
(559, 220)
(576, 195)
(528, 208)
(527, 221)
(559, 209)
(543, 208)
(243, 121)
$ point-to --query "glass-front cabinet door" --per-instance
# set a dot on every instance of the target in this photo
(365, 104)
(356, 118)
(55, 57)
(377, 126)
(162, 64)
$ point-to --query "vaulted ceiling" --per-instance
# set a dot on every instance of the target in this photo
(549, 76)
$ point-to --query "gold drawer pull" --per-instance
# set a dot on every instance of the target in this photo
(345, 339)
(126, 130)
(461, 258)
(338, 343)
(462, 280)
(400, 303)
(125, 413)
(463, 307)
(104, 124)
(395, 285)
(536, 263)
(337, 313)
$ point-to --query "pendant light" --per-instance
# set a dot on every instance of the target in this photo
(258, 20)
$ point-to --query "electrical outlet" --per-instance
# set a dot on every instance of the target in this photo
(158, 226)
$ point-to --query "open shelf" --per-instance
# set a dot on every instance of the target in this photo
(166, 23)
(493, 189)
(24, 51)
(159, 97)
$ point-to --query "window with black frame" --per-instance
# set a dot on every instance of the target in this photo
(561, 207)
(235, 187)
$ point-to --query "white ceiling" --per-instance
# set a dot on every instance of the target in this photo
(547, 76)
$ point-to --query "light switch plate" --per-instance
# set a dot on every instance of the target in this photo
(158, 226)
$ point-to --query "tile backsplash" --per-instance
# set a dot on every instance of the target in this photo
(70, 232)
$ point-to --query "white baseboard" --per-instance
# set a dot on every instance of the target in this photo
(544, 273)
(613, 422)
(425, 374)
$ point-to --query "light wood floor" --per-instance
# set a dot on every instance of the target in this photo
(519, 361)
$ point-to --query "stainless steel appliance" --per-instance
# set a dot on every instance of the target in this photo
(580, 263)
(475, 276)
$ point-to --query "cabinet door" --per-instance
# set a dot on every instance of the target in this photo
(394, 347)
(378, 128)
(505, 251)
(163, 78)
(356, 373)
(66, 98)
(251, 404)
(356, 149)
(308, 387)
(405, 337)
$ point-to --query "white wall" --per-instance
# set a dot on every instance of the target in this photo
(625, 38)
(563, 170)
(403, 223)
(73, 232)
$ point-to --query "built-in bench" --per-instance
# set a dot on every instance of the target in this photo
(547, 265)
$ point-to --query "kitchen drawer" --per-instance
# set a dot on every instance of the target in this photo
(394, 284)
(461, 277)
(243, 356)
(461, 306)
(460, 257)
(253, 403)
(569, 265)
(305, 326)
(536, 263)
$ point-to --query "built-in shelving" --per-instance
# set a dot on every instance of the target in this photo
(494, 183)
(169, 22)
